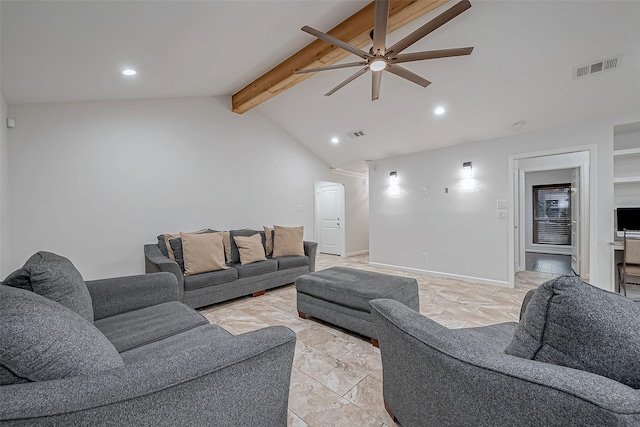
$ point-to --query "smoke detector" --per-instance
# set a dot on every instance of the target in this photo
(596, 67)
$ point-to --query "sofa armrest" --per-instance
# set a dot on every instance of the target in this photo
(123, 294)
(431, 373)
(310, 249)
(155, 262)
(243, 381)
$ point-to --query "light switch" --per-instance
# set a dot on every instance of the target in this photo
(501, 204)
(501, 214)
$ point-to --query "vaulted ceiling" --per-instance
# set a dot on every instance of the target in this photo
(521, 67)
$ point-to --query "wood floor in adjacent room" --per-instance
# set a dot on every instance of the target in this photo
(336, 377)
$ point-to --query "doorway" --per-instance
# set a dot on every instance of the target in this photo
(576, 169)
(330, 217)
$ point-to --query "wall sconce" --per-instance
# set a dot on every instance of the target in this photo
(393, 179)
(466, 170)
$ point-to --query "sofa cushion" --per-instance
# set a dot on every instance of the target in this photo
(202, 335)
(211, 278)
(250, 248)
(141, 327)
(286, 262)
(235, 254)
(54, 277)
(288, 241)
(176, 247)
(570, 323)
(42, 340)
(202, 252)
(256, 268)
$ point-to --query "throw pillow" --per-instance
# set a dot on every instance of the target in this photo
(288, 241)
(202, 252)
(226, 242)
(162, 245)
(54, 277)
(167, 240)
(250, 248)
(571, 323)
(176, 246)
(235, 255)
(43, 340)
(268, 243)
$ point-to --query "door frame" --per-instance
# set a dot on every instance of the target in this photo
(343, 220)
(516, 196)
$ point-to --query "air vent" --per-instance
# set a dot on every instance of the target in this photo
(596, 67)
(356, 134)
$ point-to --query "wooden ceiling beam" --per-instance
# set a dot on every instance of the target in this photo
(354, 30)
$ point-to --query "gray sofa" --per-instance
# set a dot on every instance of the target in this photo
(573, 360)
(124, 351)
(203, 289)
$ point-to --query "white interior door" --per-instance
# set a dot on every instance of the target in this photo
(575, 220)
(330, 197)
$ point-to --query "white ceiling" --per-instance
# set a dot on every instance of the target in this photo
(521, 68)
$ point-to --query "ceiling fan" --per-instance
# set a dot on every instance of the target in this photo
(380, 58)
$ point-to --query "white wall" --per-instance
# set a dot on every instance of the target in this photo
(95, 181)
(558, 176)
(4, 191)
(459, 231)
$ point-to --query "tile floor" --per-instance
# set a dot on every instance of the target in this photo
(548, 263)
(336, 377)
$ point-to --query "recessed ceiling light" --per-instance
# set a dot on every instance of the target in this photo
(129, 72)
(439, 111)
(335, 140)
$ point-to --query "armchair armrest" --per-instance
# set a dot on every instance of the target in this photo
(310, 249)
(432, 373)
(122, 294)
(525, 302)
(155, 262)
(243, 382)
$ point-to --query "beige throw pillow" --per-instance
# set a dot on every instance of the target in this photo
(250, 248)
(287, 241)
(202, 252)
(226, 241)
(268, 243)
(168, 237)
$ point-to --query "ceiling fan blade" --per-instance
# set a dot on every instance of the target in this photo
(430, 26)
(331, 67)
(432, 54)
(336, 42)
(406, 74)
(346, 82)
(380, 26)
(376, 78)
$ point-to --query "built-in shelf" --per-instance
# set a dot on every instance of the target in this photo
(628, 152)
(626, 179)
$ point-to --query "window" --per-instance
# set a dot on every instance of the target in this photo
(552, 214)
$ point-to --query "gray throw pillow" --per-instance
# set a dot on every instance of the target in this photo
(55, 277)
(162, 245)
(570, 323)
(41, 340)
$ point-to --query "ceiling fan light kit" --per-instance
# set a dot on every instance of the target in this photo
(380, 58)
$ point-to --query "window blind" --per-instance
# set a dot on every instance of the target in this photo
(552, 214)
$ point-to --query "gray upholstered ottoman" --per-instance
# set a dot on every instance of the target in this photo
(341, 296)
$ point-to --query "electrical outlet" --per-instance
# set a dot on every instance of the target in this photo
(501, 204)
(424, 192)
(298, 208)
(424, 256)
(501, 214)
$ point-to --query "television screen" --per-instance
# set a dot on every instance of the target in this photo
(628, 218)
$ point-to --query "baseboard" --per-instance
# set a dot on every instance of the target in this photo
(492, 282)
(357, 253)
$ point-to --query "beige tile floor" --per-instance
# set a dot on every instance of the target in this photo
(336, 377)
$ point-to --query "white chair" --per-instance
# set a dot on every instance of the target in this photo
(629, 268)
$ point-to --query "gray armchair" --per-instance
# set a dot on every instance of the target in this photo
(168, 366)
(435, 376)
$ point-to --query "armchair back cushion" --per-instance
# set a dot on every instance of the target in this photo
(54, 277)
(42, 340)
(570, 323)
